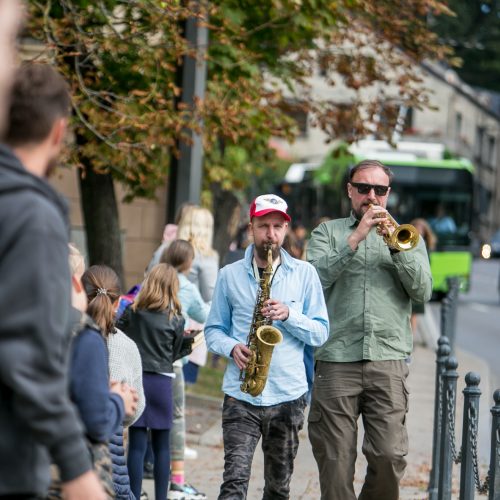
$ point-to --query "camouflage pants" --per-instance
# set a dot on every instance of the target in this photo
(242, 426)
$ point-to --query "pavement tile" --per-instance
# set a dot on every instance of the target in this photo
(204, 434)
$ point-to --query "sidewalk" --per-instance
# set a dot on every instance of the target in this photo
(204, 434)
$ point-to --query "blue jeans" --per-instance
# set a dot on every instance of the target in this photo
(242, 426)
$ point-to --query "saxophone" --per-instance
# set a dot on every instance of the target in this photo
(261, 339)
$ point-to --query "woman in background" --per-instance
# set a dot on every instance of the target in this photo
(196, 225)
(430, 240)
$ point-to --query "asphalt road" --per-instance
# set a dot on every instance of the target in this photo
(478, 316)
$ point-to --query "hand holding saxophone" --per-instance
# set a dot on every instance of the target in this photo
(275, 311)
(241, 355)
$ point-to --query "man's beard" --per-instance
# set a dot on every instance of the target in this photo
(359, 213)
(262, 251)
(362, 210)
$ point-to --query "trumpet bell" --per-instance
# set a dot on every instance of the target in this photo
(405, 237)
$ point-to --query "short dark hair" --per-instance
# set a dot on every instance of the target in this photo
(39, 97)
(371, 164)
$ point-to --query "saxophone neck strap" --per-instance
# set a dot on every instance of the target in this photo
(257, 271)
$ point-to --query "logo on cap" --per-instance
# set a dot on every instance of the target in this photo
(268, 203)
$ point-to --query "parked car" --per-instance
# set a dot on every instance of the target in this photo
(491, 250)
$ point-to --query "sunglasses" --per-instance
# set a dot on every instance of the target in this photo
(366, 188)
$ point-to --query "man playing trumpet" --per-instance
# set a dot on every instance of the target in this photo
(361, 369)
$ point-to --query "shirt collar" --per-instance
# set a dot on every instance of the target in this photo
(286, 261)
(351, 220)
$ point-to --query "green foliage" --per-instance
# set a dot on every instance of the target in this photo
(122, 57)
(334, 166)
(474, 33)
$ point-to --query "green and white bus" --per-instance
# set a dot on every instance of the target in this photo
(438, 190)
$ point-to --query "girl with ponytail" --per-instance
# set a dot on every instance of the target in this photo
(102, 288)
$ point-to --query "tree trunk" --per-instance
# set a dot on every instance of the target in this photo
(100, 214)
(227, 213)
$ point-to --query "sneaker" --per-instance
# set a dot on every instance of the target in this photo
(186, 492)
(144, 495)
(192, 493)
(190, 454)
(176, 492)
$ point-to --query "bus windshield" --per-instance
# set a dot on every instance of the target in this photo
(442, 196)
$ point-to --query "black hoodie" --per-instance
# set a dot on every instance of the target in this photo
(36, 416)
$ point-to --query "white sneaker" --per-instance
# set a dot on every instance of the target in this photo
(190, 454)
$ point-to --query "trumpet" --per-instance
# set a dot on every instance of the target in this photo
(403, 237)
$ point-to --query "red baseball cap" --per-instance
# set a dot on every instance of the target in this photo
(267, 203)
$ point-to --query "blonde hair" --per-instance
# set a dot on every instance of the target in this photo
(102, 287)
(197, 226)
(76, 260)
(159, 291)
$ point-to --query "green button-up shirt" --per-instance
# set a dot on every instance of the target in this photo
(368, 293)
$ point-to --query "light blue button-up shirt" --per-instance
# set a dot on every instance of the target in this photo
(296, 284)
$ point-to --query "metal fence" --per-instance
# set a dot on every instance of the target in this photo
(445, 451)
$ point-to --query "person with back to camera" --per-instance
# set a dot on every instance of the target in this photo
(267, 286)
(180, 255)
(101, 405)
(39, 424)
(154, 322)
(196, 225)
(102, 287)
(169, 235)
(361, 369)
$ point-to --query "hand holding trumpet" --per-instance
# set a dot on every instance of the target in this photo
(397, 237)
(374, 216)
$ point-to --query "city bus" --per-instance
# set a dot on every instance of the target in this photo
(425, 186)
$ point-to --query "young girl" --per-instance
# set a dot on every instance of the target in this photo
(180, 255)
(155, 323)
(102, 287)
(101, 409)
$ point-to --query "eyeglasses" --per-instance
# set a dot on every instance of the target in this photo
(366, 188)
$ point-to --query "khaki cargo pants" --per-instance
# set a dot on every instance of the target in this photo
(342, 392)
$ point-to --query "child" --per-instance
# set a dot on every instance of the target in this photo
(180, 255)
(155, 323)
(101, 410)
(102, 287)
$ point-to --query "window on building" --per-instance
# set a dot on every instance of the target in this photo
(478, 147)
(490, 156)
(458, 126)
(409, 120)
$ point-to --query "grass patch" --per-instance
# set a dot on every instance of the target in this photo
(209, 382)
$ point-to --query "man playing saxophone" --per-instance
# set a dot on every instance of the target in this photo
(266, 286)
(369, 281)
